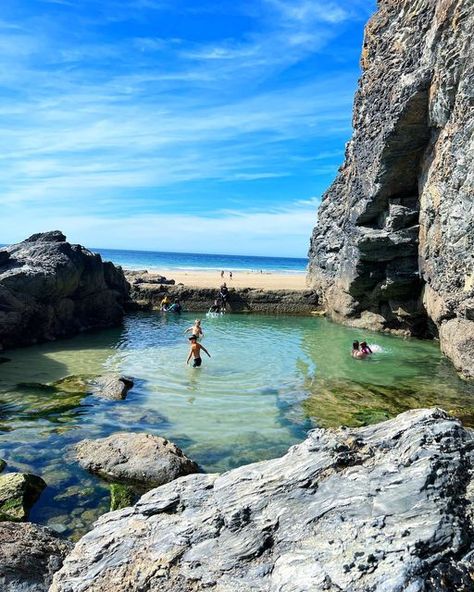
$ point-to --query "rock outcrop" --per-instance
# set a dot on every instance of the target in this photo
(141, 459)
(386, 507)
(18, 492)
(149, 292)
(29, 556)
(50, 288)
(393, 248)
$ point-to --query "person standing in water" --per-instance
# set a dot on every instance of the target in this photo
(195, 329)
(195, 352)
(357, 353)
(364, 348)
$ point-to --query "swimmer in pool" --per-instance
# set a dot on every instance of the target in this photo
(195, 352)
(195, 329)
(357, 353)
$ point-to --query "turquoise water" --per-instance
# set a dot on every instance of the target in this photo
(162, 261)
(268, 381)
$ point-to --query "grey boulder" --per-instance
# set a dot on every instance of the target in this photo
(140, 459)
(111, 387)
(385, 508)
(29, 555)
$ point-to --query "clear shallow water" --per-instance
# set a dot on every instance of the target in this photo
(268, 381)
(201, 262)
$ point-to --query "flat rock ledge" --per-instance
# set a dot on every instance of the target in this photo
(29, 555)
(137, 459)
(385, 508)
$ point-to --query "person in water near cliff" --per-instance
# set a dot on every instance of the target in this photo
(357, 353)
(195, 329)
(195, 352)
(364, 348)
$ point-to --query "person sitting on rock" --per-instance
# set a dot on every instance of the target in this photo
(195, 352)
(195, 329)
(176, 307)
(164, 303)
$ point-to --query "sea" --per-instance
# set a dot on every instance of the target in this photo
(162, 261)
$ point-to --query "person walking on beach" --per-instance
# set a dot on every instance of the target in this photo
(222, 274)
(230, 275)
(195, 329)
(195, 352)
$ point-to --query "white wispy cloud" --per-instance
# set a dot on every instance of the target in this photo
(92, 125)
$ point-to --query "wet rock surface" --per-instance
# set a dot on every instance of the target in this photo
(29, 556)
(50, 288)
(140, 459)
(111, 387)
(393, 248)
(18, 493)
(385, 507)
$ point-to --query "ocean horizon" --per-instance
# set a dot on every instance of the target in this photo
(168, 261)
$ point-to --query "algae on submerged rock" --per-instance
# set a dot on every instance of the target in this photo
(18, 492)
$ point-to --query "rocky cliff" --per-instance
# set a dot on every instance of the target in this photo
(50, 288)
(385, 508)
(393, 248)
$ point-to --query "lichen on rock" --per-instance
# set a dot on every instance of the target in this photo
(18, 492)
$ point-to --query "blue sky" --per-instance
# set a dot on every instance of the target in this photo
(175, 125)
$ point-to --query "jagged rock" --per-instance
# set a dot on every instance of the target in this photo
(29, 556)
(18, 492)
(141, 459)
(386, 507)
(111, 387)
(393, 248)
(50, 288)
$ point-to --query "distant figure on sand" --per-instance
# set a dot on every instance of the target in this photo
(230, 275)
(222, 274)
(195, 352)
(195, 329)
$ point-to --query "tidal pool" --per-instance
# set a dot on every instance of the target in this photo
(269, 380)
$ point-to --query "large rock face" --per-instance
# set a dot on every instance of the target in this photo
(50, 288)
(394, 245)
(386, 508)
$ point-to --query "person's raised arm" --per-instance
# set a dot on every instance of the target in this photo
(203, 348)
(187, 330)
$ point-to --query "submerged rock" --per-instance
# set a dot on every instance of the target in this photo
(3, 464)
(393, 246)
(29, 556)
(18, 492)
(384, 507)
(50, 288)
(141, 459)
(111, 387)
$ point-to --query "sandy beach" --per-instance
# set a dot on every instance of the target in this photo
(265, 281)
